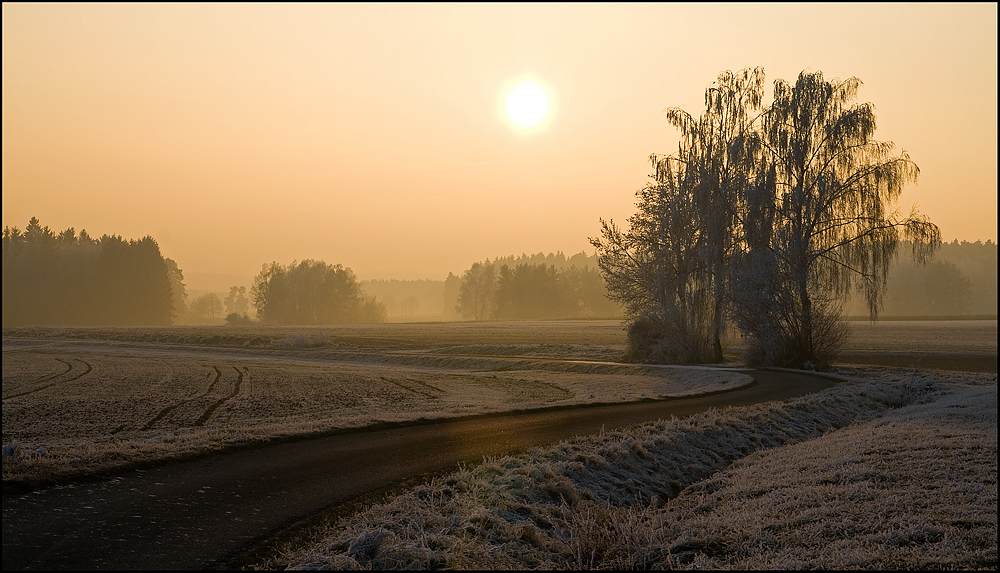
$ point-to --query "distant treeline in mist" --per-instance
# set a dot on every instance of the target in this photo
(70, 279)
(531, 287)
(568, 287)
(312, 292)
(961, 280)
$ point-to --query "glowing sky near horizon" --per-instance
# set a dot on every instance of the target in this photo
(380, 136)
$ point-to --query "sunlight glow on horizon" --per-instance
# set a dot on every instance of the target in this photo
(385, 137)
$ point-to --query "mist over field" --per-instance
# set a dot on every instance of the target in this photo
(62, 278)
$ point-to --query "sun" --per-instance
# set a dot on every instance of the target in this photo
(527, 104)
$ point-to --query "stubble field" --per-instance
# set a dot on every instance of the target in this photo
(896, 467)
(81, 401)
(89, 401)
(966, 345)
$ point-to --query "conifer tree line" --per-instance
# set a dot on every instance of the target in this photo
(71, 279)
(531, 287)
(767, 218)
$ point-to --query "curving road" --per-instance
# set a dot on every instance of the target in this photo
(199, 514)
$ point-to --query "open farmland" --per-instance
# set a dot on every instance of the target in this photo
(86, 401)
(969, 345)
(175, 393)
(966, 345)
(80, 401)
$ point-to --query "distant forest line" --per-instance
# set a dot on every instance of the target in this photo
(69, 279)
(959, 281)
(538, 286)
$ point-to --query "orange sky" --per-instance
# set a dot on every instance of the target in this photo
(374, 135)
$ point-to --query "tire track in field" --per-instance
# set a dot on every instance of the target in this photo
(558, 389)
(164, 380)
(516, 388)
(171, 408)
(415, 390)
(40, 388)
(57, 374)
(170, 372)
(211, 409)
(69, 367)
(426, 385)
(245, 388)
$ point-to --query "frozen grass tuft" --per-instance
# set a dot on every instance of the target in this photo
(15, 452)
(11, 449)
(661, 495)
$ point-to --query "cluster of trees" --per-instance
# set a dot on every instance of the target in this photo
(766, 217)
(68, 279)
(312, 292)
(558, 260)
(517, 288)
(237, 305)
(210, 306)
(205, 307)
(555, 285)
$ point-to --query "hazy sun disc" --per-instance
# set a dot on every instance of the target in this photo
(527, 104)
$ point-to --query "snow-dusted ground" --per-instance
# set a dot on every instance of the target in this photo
(893, 469)
(82, 401)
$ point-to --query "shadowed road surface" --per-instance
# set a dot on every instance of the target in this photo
(197, 514)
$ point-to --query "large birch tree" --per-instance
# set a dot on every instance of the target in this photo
(828, 192)
(718, 150)
(772, 216)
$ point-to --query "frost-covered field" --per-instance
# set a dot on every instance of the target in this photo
(969, 345)
(924, 336)
(891, 470)
(83, 401)
(895, 469)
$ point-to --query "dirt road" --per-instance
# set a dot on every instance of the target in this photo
(199, 514)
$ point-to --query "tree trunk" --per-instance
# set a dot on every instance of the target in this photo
(717, 331)
(807, 338)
